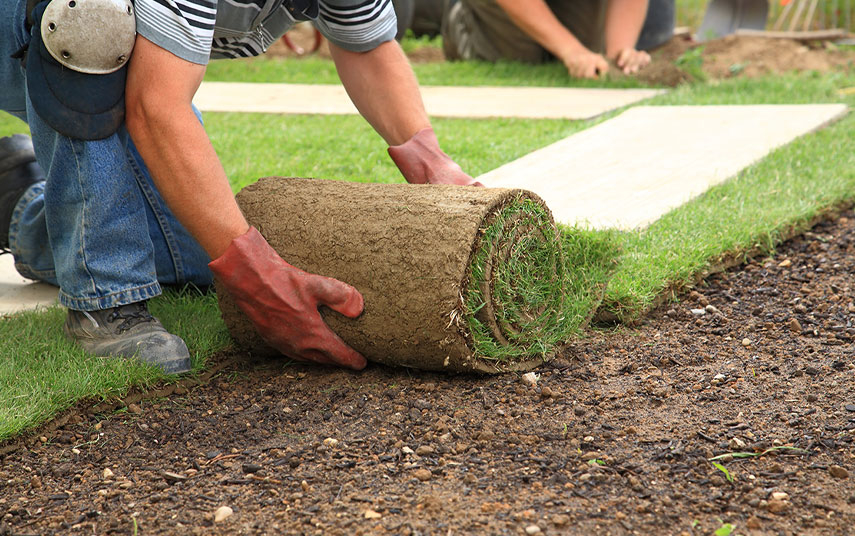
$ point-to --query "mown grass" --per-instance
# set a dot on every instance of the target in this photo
(41, 374)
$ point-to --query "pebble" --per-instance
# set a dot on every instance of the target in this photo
(250, 468)
(221, 513)
(530, 379)
(795, 327)
(746, 342)
(407, 450)
(36, 482)
(736, 443)
(135, 409)
(850, 407)
(102, 492)
(777, 506)
(331, 442)
(838, 472)
(75, 451)
(305, 486)
(560, 520)
(425, 450)
(698, 312)
(371, 514)
(785, 263)
(532, 529)
(422, 474)
(43, 439)
(107, 473)
(712, 309)
(779, 496)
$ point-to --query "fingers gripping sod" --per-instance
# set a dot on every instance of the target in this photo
(283, 302)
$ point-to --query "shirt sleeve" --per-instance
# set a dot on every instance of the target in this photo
(183, 27)
(357, 25)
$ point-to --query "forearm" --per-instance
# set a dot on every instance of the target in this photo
(538, 21)
(189, 176)
(624, 19)
(384, 89)
(176, 149)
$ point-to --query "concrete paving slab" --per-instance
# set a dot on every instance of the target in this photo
(20, 294)
(440, 101)
(630, 170)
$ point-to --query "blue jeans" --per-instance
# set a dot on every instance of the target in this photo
(97, 227)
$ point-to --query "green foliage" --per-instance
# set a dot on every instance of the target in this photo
(724, 470)
(692, 62)
(726, 529)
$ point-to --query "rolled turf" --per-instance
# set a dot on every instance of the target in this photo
(458, 279)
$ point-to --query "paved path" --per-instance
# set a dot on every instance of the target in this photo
(440, 101)
(630, 170)
(18, 294)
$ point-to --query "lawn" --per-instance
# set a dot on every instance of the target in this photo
(42, 374)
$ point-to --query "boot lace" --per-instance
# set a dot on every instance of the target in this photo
(130, 315)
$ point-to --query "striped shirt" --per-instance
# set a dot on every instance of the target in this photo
(199, 30)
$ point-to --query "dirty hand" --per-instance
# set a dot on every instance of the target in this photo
(630, 61)
(421, 161)
(585, 64)
(282, 301)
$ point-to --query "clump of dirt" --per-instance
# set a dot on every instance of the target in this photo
(683, 60)
(617, 437)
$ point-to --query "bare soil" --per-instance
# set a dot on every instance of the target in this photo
(614, 438)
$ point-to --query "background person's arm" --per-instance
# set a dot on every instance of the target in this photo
(538, 21)
(624, 20)
(383, 87)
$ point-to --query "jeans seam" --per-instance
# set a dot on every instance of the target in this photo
(83, 218)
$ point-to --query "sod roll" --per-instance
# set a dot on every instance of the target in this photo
(457, 279)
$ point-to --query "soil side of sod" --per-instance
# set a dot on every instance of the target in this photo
(615, 438)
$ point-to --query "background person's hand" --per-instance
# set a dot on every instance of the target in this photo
(630, 61)
(585, 64)
(283, 302)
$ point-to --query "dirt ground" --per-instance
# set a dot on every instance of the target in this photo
(674, 62)
(614, 438)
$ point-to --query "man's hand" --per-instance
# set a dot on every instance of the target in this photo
(630, 61)
(585, 64)
(282, 302)
(421, 161)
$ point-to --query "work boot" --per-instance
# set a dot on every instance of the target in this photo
(128, 331)
(18, 171)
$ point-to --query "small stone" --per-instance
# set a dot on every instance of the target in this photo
(850, 407)
(331, 442)
(126, 485)
(785, 263)
(698, 312)
(102, 492)
(407, 450)
(173, 477)
(779, 496)
(425, 450)
(222, 513)
(530, 379)
(588, 439)
(777, 506)
(422, 474)
(800, 308)
(371, 514)
(838, 472)
(754, 523)
(135, 409)
(107, 474)
(746, 342)
(250, 468)
(736, 443)
(560, 520)
(43, 439)
(712, 309)
(36, 482)
(532, 529)
(75, 451)
(794, 325)
(98, 426)
(304, 486)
